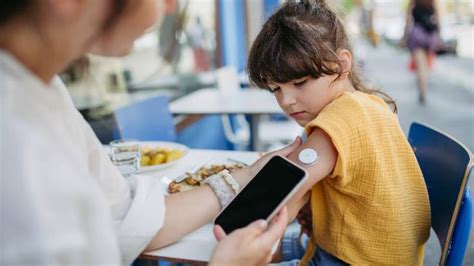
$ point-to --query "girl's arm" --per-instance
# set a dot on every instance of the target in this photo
(189, 210)
(327, 156)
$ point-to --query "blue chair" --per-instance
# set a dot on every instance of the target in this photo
(146, 120)
(446, 165)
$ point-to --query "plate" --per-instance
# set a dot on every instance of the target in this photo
(165, 145)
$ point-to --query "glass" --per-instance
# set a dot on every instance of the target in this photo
(125, 154)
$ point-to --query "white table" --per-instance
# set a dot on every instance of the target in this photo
(197, 246)
(254, 102)
(203, 79)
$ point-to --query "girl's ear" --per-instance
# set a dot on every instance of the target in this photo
(346, 59)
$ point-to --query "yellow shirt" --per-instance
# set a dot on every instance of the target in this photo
(374, 208)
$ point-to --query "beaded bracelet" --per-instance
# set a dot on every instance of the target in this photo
(230, 180)
(224, 186)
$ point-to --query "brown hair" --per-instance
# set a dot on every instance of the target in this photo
(302, 39)
(10, 9)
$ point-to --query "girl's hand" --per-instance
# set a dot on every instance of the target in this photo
(296, 204)
(304, 218)
(250, 245)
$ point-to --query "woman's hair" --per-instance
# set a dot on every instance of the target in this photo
(10, 9)
(302, 39)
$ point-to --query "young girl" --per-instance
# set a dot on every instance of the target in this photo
(368, 200)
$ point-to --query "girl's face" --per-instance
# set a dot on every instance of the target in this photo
(304, 98)
(137, 17)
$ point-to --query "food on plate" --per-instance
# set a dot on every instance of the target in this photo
(197, 179)
(158, 155)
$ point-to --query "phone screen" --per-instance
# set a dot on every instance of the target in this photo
(262, 194)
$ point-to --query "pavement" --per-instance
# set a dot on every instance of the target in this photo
(449, 106)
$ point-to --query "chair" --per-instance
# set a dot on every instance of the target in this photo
(146, 120)
(446, 165)
(227, 81)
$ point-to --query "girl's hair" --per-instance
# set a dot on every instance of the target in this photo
(302, 39)
(10, 9)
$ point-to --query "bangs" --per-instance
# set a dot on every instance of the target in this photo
(281, 63)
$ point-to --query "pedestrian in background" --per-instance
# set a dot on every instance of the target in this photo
(197, 36)
(422, 39)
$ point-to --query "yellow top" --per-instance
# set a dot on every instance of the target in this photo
(373, 209)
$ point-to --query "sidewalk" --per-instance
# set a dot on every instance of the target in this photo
(450, 101)
(449, 106)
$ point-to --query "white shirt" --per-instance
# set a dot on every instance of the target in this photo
(62, 201)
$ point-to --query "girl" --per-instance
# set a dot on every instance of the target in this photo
(368, 201)
(62, 201)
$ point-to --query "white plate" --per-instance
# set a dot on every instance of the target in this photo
(166, 145)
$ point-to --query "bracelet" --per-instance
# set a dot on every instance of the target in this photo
(223, 192)
(224, 186)
(230, 180)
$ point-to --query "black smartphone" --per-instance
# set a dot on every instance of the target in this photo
(264, 195)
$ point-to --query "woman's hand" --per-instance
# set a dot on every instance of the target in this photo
(243, 176)
(284, 152)
(250, 245)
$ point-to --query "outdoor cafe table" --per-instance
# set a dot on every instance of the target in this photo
(253, 102)
(197, 246)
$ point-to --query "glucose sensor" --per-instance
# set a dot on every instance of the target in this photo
(308, 156)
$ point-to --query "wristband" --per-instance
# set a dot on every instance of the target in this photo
(230, 180)
(223, 192)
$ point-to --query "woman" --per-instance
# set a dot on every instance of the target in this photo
(422, 38)
(63, 202)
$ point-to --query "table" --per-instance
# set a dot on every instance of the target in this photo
(197, 246)
(201, 79)
(253, 102)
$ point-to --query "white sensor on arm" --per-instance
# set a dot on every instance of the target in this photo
(308, 157)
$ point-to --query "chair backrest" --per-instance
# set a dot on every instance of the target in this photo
(461, 231)
(445, 164)
(227, 81)
(146, 120)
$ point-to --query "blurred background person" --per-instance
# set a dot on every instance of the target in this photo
(367, 21)
(422, 39)
(197, 38)
(171, 26)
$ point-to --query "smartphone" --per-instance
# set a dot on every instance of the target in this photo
(264, 195)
